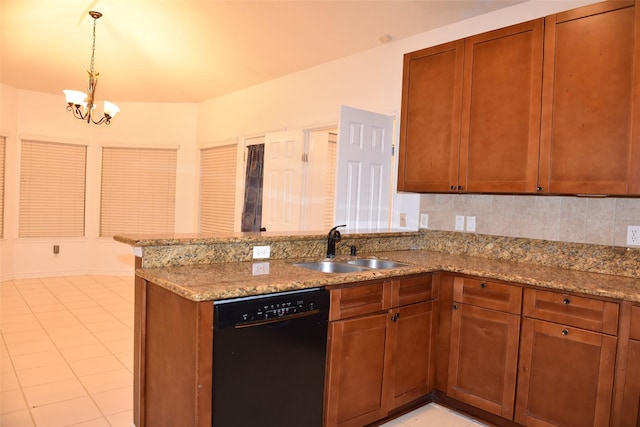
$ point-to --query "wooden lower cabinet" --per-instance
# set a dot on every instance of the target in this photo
(565, 376)
(380, 361)
(483, 358)
(483, 350)
(533, 357)
(355, 370)
(630, 414)
(410, 370)
(172, 358)
(626, 406)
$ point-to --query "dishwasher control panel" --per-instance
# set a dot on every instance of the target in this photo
(272, 307)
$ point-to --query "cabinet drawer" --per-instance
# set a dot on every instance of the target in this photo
(411, 290)
(358, 300)
(634, 332)
(487, 294)
(581, 312)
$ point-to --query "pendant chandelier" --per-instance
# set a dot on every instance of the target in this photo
(81, 104)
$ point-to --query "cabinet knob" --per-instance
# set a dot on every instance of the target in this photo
(395, 317)
(565, 332)
(453, 187)
(460, 187)
(483, 285)
(539, 188)
(566, 301)
(455, 306)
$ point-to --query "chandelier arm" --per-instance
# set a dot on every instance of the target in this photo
(75, 110)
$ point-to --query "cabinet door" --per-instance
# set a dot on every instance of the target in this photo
(627, 414)
(355, 369)
(587, 144)
(630, 414)
(430, 119)
(483, 358)
(411, 367)
(500, 134)
(565, 376)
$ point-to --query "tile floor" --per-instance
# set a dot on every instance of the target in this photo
(67, 352)
(433, 415)
(66, 356)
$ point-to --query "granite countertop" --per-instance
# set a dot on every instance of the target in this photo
(207, 282)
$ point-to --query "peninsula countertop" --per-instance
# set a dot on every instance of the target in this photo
(216, 281)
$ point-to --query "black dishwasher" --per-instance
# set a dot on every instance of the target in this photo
(269, 357)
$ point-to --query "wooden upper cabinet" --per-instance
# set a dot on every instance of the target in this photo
(500, 133)
(471, 113)
(589, 141)
(430, 126)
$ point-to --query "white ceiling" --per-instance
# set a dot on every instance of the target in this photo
(193, 50)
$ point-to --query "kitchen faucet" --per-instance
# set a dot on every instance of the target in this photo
(332, 238)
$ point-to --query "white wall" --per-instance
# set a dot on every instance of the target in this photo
(26, 114)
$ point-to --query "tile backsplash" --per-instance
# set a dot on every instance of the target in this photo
(592, 220)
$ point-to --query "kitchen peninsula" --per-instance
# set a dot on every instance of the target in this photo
(178, 276)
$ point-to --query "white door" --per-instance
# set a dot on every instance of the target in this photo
(364, 172)
(282, 181)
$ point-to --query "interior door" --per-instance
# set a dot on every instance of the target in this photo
(282, 185)
(363, 180)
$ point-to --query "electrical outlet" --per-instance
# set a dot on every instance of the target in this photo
(471, 223)
(424, 220)
(459, 223)
(633, 235)
(260, 268)
(403, 219)
(261, 252)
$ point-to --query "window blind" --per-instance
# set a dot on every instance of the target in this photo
(217, 188)
(138, 191)
(2, 157)
(330, 184)
(52, 189)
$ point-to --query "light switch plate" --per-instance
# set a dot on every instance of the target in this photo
(471, 223)
(424, 220)
(403, 220)
(261, 252)
(459, 223)
(633, 235)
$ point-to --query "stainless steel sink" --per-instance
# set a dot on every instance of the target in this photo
(331, 267)
(375, 263)
(350, 266)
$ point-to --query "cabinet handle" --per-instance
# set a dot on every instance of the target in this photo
(539, 188)
(566, 301)
(453, 187)
(483, 285)
(565, 332)
(460, 187)
(395, 317)
(455, 306)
